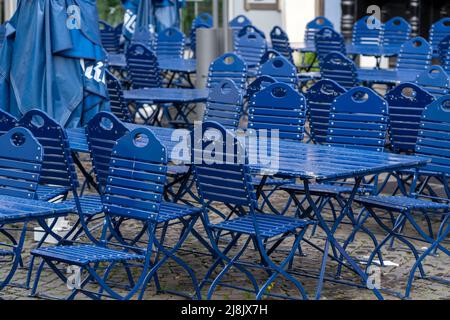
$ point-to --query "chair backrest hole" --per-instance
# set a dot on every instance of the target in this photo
(417, 43)
(106, 124)
(18, 139)
(279, 92)
(447, 23)
(327, 89)
(446, 105)
(278, 63)
(228, 60)
(409, 93)
(37, 121)
(226, 88)
(140, 140)
(360, 97)
(320, 21)
(397, 22)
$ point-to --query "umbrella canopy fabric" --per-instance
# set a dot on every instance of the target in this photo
(52, 60)
(167, 13)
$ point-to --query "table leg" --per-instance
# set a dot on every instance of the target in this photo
(330, 238)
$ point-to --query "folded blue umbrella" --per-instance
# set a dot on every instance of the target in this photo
(167, 13)
(52, 59)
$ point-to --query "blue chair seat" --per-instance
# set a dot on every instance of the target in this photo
(90, 204)
(319, 188)
(84, 254)
(269, 225)
(46, 193)
(170, 211)
(400, 203)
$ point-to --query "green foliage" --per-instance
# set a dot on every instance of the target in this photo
(110, 11)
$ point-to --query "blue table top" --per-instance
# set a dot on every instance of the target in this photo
(169, 64)
(13, 209)
(163, 95)
(378, 51)
(386, 75)
(305, 161)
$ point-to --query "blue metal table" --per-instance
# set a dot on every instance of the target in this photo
(386, 76)
(315, 163)
(174, 65)
(372, 51)
(15, 211)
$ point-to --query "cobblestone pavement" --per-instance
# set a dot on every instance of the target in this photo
(172, 277)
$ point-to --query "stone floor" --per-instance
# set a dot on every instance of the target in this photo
(172, 277)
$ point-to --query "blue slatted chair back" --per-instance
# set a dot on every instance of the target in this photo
(137, 174)
(259, 84)
(281, 70)
(203, 18)
(328, 40)
(109, 37)
(358, 119)
(251, 47)
(2, 33)
(435, 80)
(170, 43)
(396, 32)
(337, 67)
(406, 104)
(278, 107)
(103, 131)
(443, 51)
(119, 36)
(280, 43)
(415, 55)
(313, 26)
(142, 66)
(228, 66)
(319, 99)
(365, 34)
(7, 122)
(438, 31)
(21, 157)
(58, 168)
(224, 104)
(434, 136)
(228, 178)
(117, 103)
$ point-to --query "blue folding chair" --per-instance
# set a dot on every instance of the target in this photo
(281, 110)
(415, 56)
(337, 67)
(251, 47)
(109, 37)
(281, 70)
(224, 105)
(410, 209)
(280, 42)
(406, 104)
(142, 66)
(319, 99)
(438, 32)
(170, 44)
(328, 40)
(21, 158)
(117, 103)
(435, 80)
(313, 27)
(229, 181)
(237, 24)
(58, 174)
(396, 32)
(134, 189)
(366, 37)
(228, 66)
